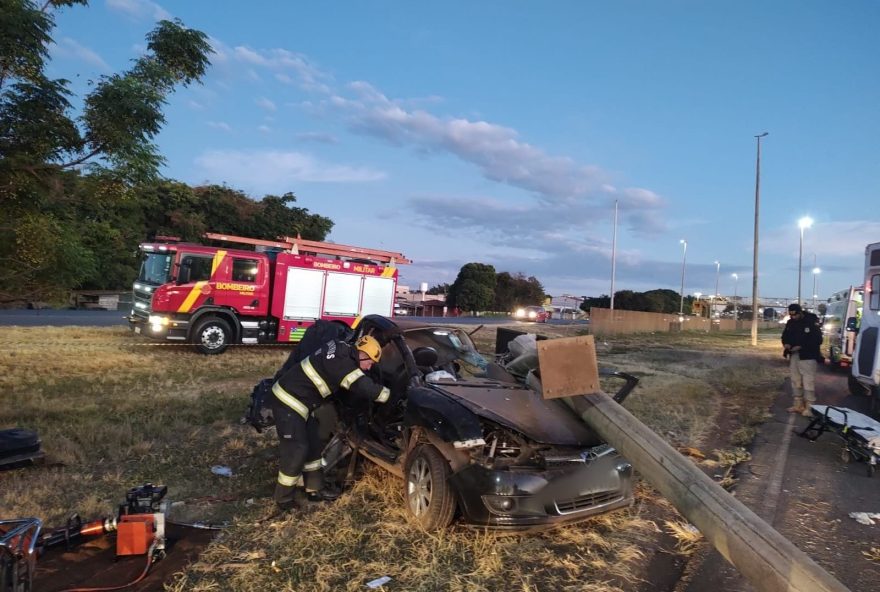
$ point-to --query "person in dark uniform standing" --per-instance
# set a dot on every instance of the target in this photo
(297, 393)
(801, 340)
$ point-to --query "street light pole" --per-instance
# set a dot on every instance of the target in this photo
(613, 254)
(715, 294)
(803, 223)
(755, 254)
(816, 272)
(683, 260)
(735, 307)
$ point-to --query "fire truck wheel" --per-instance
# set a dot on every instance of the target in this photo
(212, 336)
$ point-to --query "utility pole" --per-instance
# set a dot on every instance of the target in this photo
(613, 254)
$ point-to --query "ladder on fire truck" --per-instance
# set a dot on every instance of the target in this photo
(301, 246)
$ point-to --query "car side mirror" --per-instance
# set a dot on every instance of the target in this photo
(851, 324)
(425, 356)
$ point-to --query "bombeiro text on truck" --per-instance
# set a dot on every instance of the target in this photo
(214, 297)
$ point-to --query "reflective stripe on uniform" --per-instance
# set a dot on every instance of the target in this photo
(384, 395)
(314, 465)
(315, 378)
(290, 400)
(288, 480)
(350, 378)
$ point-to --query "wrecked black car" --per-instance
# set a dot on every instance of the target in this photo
(470, 437)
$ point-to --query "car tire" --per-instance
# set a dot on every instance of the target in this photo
(212, 336)
(429, 498)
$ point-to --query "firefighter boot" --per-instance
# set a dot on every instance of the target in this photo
(798, 406)
(296, 499)
(327, 493)
(810, 397)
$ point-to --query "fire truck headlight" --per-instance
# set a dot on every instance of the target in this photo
(158, 321)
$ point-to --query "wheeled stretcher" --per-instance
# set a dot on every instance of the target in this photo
(860, 433)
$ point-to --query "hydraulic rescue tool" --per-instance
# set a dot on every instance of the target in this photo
(139, 526)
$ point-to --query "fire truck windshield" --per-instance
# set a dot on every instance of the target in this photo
(156, 268)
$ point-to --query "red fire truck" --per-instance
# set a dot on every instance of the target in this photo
(213, 297)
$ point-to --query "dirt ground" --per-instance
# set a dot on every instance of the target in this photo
(702, 392)
(806, 492)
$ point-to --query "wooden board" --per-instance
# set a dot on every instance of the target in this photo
(568, 366)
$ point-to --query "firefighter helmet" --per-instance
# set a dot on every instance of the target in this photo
(370, 346)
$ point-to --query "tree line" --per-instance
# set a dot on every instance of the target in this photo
(478, 287)
(80, 188)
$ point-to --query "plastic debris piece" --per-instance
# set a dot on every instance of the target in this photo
(378, 582)
(866, 518)
(221, 470)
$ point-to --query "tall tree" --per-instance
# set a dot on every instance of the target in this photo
(474, 288)
(43, 144)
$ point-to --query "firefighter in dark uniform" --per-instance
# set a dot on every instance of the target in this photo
(296, 395)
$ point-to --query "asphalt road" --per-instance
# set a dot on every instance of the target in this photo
(109, 318)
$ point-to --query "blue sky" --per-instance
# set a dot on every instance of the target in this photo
(504, 131)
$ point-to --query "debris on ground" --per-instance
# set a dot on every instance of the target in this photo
(221, 470)
(866, 518)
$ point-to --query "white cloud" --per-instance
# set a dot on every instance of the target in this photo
(319, 137)
(139, 9)
(265, 129)
(195, 105)
(496, 151)
(220, 125)
(266, 104)
(275, 171)
(70, 48)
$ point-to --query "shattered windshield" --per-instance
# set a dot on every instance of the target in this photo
(453, 346)
(156, 268)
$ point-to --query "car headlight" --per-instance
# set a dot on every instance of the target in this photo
(520, 313)
(532, 314)
(158, 320)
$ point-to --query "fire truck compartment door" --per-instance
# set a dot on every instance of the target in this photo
(343, 294)
(378, 296)
(302, 297)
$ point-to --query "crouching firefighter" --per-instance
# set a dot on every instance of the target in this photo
(296, 395)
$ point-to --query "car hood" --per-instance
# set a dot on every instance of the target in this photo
(521, 409)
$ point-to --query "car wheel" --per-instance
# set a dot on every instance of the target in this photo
(212, 336)
(429, 498)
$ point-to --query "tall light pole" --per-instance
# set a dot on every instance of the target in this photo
(755, 254)
(735, 308)
(613, 254)
(816, 272)
(697, 295)
(715, 294)
(684, 255)
(803, 223)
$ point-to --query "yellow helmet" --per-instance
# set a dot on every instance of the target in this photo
(370, 346)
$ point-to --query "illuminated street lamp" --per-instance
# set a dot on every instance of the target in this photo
(803, 223)
(684, 244)
(816, 272)
(735, 285)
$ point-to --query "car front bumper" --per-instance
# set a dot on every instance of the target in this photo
(523, 499)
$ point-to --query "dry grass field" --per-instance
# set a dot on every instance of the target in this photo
(115, 411)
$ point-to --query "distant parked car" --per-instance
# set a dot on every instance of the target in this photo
(532, 314)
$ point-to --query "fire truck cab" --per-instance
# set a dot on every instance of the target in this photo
(214, 297)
